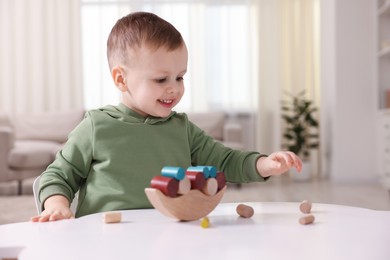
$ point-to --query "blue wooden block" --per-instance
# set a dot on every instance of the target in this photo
(213, 171)
(173, 172)
(204, 169)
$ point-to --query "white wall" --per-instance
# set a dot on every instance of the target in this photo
(348, 60)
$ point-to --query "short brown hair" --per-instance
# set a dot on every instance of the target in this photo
(139, 28)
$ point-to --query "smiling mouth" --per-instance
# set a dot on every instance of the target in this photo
(166, 101)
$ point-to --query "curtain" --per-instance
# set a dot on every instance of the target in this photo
(289, 61)
(40, 50)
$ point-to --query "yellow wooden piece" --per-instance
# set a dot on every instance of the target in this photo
(205, 223)
(191, 206)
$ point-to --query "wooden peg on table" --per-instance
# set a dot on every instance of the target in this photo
(307, 219)
(245, 211)
(112, 217)
(305, 206)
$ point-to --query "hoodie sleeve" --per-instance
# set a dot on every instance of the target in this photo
(238, 166)
(71, 166)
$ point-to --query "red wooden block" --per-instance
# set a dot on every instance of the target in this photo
(221, 179)
(198, 181)
(168, 186)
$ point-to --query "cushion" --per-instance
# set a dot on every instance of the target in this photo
(32, 154)
(5, 120)
(210, 122)
(46, 126)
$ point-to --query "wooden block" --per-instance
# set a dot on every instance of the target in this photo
(221, 179)
(198, 181)
(305, 220)
(205, 223)
(184, 186)
(245, 211)
(173, 172)
(191, 206)
(213, 171)
(204, 169)
(211, 187)
(168, 186)
(112, 217)
(305, 206)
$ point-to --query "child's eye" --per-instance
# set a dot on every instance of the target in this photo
(160, 81)
(179, 78)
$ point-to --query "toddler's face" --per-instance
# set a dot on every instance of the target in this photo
(154, 80)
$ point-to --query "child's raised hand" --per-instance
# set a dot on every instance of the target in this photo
(56, 208)
(278, 163)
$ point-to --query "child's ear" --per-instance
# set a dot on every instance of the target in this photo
(119, 78)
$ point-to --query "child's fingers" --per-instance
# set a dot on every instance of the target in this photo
(297, 162)
(52, 216)
(55, 216)
(35, 219)
(44, 218)
(59, 216)
(285, 158)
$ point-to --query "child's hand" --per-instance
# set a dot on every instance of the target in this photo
(56, 208)
(278, 163)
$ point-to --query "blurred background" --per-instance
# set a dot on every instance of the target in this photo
(248, 59)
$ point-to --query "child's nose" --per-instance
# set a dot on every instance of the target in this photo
(172, 88)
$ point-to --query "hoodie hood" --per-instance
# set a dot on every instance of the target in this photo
(123, 113)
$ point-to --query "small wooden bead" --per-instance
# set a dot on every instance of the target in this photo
(305, 220)
(112, 217)
(197, 179)
(205, 222)
(203, 169)
(184, 186)
(168, 186)
(211, 187)
(173, 172)
(221, 179)
(305, 206)
(245, 211)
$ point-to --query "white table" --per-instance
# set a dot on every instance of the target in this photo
(339, 232)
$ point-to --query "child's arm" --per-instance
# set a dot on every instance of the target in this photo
(56, 208)
(278, 163)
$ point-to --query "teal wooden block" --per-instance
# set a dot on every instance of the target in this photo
(173, 172)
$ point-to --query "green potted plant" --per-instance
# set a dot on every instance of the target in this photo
(300, 133)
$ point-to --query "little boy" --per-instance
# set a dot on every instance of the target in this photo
(115, 151)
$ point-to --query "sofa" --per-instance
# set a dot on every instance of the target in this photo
(29, 143)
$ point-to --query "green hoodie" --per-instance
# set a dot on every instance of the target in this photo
(112, 155)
